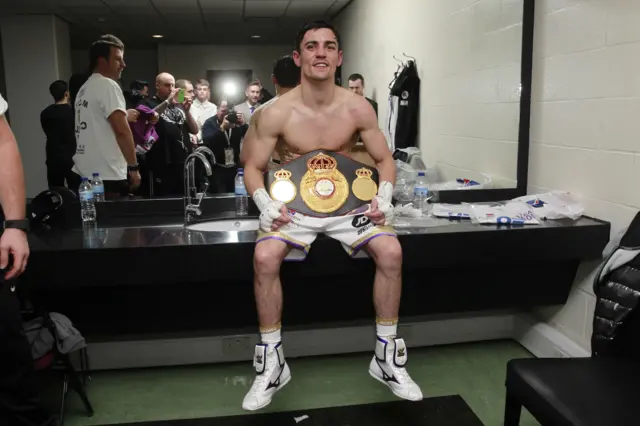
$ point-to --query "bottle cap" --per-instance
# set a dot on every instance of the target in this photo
(83, 179)
(96, 174)
(420, 173)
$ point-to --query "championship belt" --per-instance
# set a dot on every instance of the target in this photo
(323, 184)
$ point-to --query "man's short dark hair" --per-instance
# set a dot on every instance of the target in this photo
(286, 72)
(315, 25)
(101, 48)
(58, 89)
(355, 76)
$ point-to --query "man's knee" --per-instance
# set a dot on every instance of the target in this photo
(268, 256)
(387, 252)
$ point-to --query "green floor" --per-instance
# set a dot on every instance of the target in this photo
(475, 371)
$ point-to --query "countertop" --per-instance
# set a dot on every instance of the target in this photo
(149, 232)
(151, 275)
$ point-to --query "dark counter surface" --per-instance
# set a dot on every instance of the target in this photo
(159, 277)
(128, 233)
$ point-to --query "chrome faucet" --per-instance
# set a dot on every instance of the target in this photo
(205, 150)
(190, 189)
(212, 160)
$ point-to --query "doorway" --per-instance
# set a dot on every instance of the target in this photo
(228, 85)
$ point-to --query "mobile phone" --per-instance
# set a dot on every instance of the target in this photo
(180, 96)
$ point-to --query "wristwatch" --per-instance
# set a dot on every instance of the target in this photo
(133, 168)
(22, 224)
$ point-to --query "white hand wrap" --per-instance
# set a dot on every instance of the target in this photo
(385, 194)
(269, 208)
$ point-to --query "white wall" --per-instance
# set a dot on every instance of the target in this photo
(193, 61)
(35, 51)
(63, 43)
(468, 55)
(142, 64)
(586, 123)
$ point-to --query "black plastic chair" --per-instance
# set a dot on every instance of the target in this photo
(574, 391)
(600, 390)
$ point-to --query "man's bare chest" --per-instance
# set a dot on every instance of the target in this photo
(310, 135)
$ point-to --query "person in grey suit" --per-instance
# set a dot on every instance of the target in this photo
(252, 93)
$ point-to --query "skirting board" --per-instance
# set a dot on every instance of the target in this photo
(544, 341)
(537, 339)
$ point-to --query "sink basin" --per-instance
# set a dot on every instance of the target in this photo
(226, 225)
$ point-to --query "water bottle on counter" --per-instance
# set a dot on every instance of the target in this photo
(421, 193)
(87, 205)
(242, 199)
(98, 188)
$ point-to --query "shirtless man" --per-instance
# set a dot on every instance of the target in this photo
(320, 115)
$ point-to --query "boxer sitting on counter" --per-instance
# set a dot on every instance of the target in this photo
(322, 190)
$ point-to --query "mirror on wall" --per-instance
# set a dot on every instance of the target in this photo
(447, 82)
(466, 58)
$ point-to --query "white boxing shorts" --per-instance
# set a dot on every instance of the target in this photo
(354, 231)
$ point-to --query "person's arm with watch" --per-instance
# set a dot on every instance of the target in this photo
(13, 237)
(114, 108)
(124, 137)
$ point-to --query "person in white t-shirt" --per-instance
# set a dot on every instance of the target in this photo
(104, 140)
(20, 403)
(202, 109)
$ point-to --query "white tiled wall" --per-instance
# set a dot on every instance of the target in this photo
(586, 123)
(472, 86)
(468, 54)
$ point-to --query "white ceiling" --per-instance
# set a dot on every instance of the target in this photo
(181, 21)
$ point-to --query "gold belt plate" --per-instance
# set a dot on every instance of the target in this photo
(323, 188)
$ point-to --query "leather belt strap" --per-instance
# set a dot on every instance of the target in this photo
(323, 184)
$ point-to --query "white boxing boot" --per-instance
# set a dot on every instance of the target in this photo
(272, 373)
(388, 367)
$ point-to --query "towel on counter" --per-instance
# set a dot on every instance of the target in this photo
(42, 341)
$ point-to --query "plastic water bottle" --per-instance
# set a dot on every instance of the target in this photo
(98, 188)
(242, 199)
(87, 206)
(421, 192)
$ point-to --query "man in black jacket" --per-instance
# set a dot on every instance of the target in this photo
(223, 134)
(58, 125)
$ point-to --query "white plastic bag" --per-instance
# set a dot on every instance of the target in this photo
(452, 211)
(554, 205)
(509, 213)
(405, 179)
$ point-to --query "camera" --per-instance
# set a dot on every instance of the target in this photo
(232, 117)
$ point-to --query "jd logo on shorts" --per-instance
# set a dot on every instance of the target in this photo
(360, 221)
